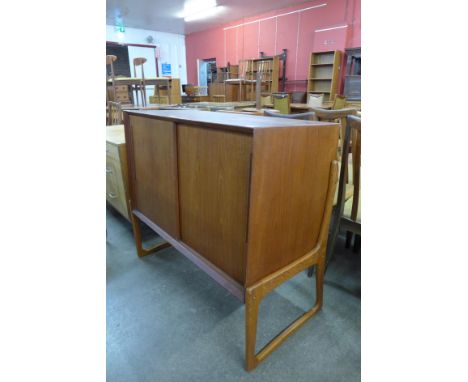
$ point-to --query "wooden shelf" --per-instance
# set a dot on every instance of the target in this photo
(323, 76)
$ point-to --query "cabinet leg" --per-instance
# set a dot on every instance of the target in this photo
(142, 251)
(251, 316)
(254, 295)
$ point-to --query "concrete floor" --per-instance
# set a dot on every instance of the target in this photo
(168, 321)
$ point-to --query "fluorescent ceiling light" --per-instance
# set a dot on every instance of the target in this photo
(200, 9)
(203, 14)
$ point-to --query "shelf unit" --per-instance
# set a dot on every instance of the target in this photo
(352, 87)
(227, 72)
(324, 73)
(269, 67)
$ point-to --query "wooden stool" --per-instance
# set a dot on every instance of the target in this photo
(142, 87)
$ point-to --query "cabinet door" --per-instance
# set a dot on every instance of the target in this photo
(214, 176)
(153, 171)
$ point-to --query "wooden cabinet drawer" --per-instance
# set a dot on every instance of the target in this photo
(115, 191)
(121, 97)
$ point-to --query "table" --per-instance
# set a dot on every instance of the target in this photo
(256, 111)
(153, 81)
(301, 107)
(221, 105)
(246, 198)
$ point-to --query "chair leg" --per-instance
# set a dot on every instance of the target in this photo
(333, 234)
(141, 251)
(332, 240)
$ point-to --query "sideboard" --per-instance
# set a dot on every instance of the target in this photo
(246, 198)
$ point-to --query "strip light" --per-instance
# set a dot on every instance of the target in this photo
(200, 9)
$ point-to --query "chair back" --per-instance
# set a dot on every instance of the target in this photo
(137, 61)
(265, 100)
(339, 103)
(334, 115)
(110, 61)
(309, 116)
(352, 139)
(281, 103)
(350, 223)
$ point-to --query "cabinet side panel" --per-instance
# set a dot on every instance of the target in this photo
(290, 172)
(155, 171)
(214, 174)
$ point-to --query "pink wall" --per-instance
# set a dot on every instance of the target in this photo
(334, 26)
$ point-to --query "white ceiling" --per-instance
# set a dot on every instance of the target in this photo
(162, 15)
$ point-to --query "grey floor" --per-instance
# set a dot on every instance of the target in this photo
(168, 321)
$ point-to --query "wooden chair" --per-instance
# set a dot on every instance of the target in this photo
(114, 113)
(347, 214)
(281, 103)
(309, 116)
(243, 67)
(142, 86)
(341, 117)
(265, 100)
(110, 61)
(165, 86)
(339, 102)
(334, 116)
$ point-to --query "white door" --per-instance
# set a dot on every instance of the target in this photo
(202, 73)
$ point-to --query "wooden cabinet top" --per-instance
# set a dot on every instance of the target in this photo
(227, 121)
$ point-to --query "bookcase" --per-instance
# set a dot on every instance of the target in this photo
(352, 86)
(324, 73)
(269, 67)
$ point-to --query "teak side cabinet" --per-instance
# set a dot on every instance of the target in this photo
(248, 199)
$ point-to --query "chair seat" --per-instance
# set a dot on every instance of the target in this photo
(348, 194)
(348, 206)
